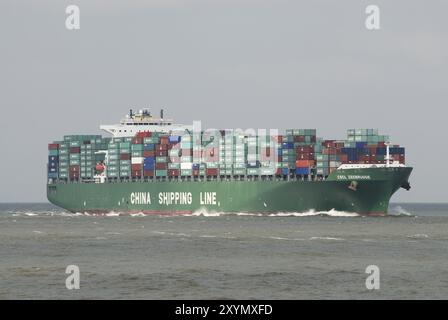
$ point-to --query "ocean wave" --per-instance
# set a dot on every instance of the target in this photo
(331, 213)
(197, 213)
(326, 238)
(400, 211)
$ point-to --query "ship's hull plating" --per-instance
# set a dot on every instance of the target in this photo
(364, 191)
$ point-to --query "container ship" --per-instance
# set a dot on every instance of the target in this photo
(153, 165)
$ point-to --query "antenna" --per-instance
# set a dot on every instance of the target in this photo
(161, 114)
(388, 144)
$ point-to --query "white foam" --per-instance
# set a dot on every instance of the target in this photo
(332, 213)
(326, 238)
(140, 214)
(400, 211)
(419, 236)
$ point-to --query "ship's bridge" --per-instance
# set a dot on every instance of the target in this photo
(143, 121)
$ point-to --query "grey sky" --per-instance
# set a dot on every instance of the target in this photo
(246, 63)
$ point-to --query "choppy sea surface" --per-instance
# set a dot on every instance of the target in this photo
(312, 255)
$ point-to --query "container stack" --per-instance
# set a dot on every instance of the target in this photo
(225, 153)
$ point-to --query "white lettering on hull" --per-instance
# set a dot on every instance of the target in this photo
(207, 198)
(140, 198)
(168, 198)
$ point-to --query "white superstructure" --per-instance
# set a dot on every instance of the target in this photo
(143, 121)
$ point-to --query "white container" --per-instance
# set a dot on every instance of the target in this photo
(137, 160)
(186, 165)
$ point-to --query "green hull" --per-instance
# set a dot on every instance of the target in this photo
(364, 191)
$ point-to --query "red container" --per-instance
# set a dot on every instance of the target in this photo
(164, 140)
(161, 147)
(279, 172)
(266, 151)
(147, 154)
(173, 172)
(304, 149)
(161, 153)
(196, 172)
(125, 156)
(175, 159)
(74, 176)
(137, 140)
(197, 154)
(75, 150)
(53, 146)
(305, 156)
(299, 138)
(187, 152)
(211, 172)
(136, 167)
(136, 173)
(161, 166)
(144, 134)
(278, 139)
(74, 169)
(148, 173)
(304, 163)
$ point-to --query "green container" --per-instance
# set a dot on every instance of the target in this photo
(173, 165)
(137, 147)
(186, 172)
(137, 154)
(112, 174)
(239, 172)
(114, 163)
(125, 162)
(161, 159)
(63, 164)
(125, 173)
(212, 165)
(63, 170)
(114, 157)
(161, 173)
(151, 140)
(63, 175)
(53, 152)
(75, 162)
(74, 144)
(125, 145)
(253, 171)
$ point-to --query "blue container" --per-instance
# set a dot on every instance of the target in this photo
(302, 170)
(285, 171)
(279, 152)
(362, 150)
(149, 147)
(52, 175)
(288, 145)
(149, 159)
(148, 166)
(174, 139)
(53, 159)
(381, 151)
(352, 157)
(52, 169)
(360, 144)
(195, 166)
